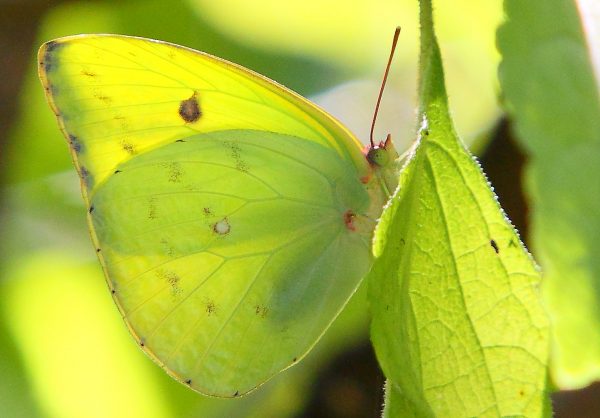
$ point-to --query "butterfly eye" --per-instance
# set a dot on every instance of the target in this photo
(378, 156)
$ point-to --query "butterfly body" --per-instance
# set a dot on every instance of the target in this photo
(233, 218)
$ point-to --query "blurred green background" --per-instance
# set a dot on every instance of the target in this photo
(64, 350)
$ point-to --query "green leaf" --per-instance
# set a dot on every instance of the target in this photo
(552, 96)
(396, 405)
(458, 326)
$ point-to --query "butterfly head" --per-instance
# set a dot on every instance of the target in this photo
(383, 154)
(384, 162)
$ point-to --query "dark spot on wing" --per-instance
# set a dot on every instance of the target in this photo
(85, 175)
(261, 310)
(152, 208)
(51, 46)
(236, 153)
(189, 109)
(211, 308)
(47, 62)
(123, 122)
(168, 248)
(54, 90)
(104, 99)
(494, 246)
(75, 144)
(349, 220)
(174, 172)
(128, 148)
(173, 280)
(222, 227)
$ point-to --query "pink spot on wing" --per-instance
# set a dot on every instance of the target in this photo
(349, 220)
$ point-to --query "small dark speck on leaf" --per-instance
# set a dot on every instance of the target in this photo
(91, 209)
(237, 393)
(494, 246)
(117, 171)
(294, 360)
(181, 140)
(188, 382)
(98, 250)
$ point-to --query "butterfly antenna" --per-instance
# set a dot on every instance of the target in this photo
(385, 75)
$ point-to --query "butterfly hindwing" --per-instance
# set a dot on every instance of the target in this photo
(223, 263)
